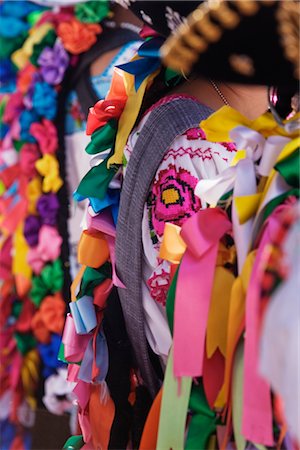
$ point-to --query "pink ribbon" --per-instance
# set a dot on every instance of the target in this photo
(257, 411)
(75, 344)
(201, 234)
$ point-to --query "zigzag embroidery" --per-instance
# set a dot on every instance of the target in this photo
(192, 153)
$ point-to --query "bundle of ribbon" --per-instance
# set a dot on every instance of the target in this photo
(216, 333)
(109, 123)
(38, 46)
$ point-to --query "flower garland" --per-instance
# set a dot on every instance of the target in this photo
(38, 46)
(107, 121)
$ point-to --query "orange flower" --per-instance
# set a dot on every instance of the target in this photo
(25, 78)
(78, 37)
(49, 318)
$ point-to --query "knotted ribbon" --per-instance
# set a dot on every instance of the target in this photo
(202, 234)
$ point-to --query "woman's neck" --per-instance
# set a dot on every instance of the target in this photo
(251, 101)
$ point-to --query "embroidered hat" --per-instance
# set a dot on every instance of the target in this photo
(252, 42)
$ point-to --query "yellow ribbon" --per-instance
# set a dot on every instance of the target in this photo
(129, 115)
(20, 268)
(218, 126)
(48, 167)
(235, 317)
(30, 376)
(21, 56)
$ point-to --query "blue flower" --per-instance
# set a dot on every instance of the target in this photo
(12, 27)
(18, 8)
(27, 117)
(44, 100)
(7, 72)
(49, 354)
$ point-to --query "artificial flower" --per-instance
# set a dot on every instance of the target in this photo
(7, 71)
(34, 191)
(26, 119)
(18, 9)
(48, 248)
(12, 27)
(78, 37)
(46, 135)
(54, 62)
(48, 167)
(92, 11)
(44, 100)
(59, 396)
(25, 78)
(13, 107)
(49, 318)
(47, 207)
(47, 41)
(49, 353)
(29, 154)
(50, 281)
(103, 111)
(31, 230)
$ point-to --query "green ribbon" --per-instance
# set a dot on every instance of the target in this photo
(18, 145)
(50, 280)
(103, 138)
(203, 422)
(92, 278)
(174, 407)
(289, 168)
(170, 304)
(74, 443)
(92, 11)
(269, 208)
(47, 41)
(35, 16)
(25, 342)
(95, 183)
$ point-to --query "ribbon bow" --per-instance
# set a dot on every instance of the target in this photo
(241, 179)
(48, 167)
(49, 281)
(48, 248)
(194, 287)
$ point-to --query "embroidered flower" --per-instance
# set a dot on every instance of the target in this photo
(44, 100)
(46, 135)
(78, 37)
(195, 133)
(174, 19)
(230, 146)
(159, 283)
(172, 198)
(54, 62)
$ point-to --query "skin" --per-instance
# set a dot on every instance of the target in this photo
(251, 101)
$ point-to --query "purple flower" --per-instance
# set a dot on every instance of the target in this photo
(54, 62)
(47, 207)
(31, 230)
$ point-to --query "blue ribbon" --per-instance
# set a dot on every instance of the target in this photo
(83, 313)
(149, 62)
(85, 372)
(49, 355)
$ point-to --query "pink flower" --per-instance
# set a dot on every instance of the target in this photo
(172, 198)
(48, 248)
(13, 107)
(29, 154)
(46, 135)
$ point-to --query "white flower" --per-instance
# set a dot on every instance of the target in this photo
(174, 19)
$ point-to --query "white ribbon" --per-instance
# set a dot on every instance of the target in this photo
(241, 178)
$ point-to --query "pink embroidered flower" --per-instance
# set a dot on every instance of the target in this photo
(195, 133)
(172, 198)
(29, 154)
(159, 283)
(46, 135)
